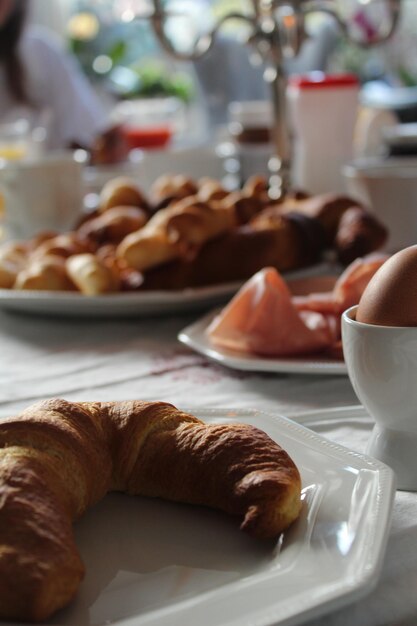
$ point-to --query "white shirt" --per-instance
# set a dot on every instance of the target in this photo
(65, 101)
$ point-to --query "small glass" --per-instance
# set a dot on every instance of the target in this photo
(14, 140)
(150, 123)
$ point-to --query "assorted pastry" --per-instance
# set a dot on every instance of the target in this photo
(266, 318)
(187, 233)
(58, 458)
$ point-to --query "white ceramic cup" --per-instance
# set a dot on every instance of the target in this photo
(389, 188)
(41, 194)
(382, 367)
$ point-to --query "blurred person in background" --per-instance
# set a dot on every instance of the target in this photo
(42, 83)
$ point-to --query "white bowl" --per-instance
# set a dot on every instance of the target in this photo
(382, 366)
(389, 189)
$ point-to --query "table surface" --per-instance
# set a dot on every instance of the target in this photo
(85, 359)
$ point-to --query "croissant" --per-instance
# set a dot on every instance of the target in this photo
(58, 458)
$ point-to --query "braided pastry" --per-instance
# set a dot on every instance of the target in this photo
(58, 458)
(174, 232)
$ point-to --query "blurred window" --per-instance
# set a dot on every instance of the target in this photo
(117, 47)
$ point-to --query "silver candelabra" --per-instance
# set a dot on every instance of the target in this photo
(277, 31)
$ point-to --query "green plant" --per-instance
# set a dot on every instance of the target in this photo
(154, 80)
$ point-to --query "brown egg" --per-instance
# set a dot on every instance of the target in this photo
(390, 298)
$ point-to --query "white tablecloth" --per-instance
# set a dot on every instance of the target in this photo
(125, 359)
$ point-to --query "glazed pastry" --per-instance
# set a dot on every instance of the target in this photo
(238, 254)
(13, 258)
(40, 237)
(46, 273)
(113, 225)
(245, 205)
(210, 190)
(171, 187)
(121, 191)
(64, 245)
(58, 458)
(129, 278)
(256, 185)
(91, 275)
(326, 208)
(193, 222)
(347, 227)
(174, 232)
(182, 186)
(145, 249)
(207, 235)
(359, 233)
(308, 237)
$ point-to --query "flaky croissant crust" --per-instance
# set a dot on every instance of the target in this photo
(58, 458)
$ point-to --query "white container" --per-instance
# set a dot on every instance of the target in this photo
(323, 111)
(389, 189)
(41, 194)
(382, 367)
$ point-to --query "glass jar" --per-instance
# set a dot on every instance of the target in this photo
(249, 128)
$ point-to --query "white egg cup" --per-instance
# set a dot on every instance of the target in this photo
(382, 367)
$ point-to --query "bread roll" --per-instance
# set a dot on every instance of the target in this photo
(121, 191)
(171, 187)
(210, 190)
(193, 222)
(64, 246)
(113, 225)
(46, 273)
(245, 205)
(13, 257)
(358, 234)
(326, 208)
(146, 249)
(91, 275)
